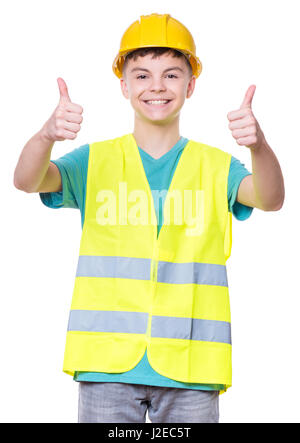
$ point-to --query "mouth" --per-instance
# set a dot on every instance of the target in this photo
(157, 103)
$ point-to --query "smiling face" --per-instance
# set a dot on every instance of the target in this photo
(157, 87)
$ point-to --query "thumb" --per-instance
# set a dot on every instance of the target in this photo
(63, 90)
(247, 102)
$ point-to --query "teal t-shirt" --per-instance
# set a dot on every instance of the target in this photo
(159, 172)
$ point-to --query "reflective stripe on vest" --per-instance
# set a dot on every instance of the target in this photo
(108, 321)
(113, 267)
(139, 268)
(162, 327)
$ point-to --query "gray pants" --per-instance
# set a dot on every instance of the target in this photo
(106, 402)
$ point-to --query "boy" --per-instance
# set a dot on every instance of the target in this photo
(149, 326)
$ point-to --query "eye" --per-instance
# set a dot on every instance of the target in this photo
(142, 76)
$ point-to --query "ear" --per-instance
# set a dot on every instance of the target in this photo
(191, 86)
(124, 87)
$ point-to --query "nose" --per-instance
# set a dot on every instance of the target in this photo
(157, 84)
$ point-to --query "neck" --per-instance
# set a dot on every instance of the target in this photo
(156, 139)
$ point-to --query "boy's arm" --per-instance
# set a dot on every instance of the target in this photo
(34, 171)
(264, 189)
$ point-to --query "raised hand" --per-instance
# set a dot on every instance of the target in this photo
(243, 125)
(64, 123)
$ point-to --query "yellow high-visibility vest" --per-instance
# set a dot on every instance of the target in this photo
(135, 290)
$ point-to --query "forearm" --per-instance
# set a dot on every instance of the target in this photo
(267, 177)
(33, 162)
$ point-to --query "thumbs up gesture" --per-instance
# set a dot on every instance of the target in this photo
(244, 126)
(64, 123)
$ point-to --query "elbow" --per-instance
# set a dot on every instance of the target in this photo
(279, 206)
(17, 185)
(275, 206)
(21, 187)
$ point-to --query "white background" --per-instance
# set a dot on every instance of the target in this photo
(239, 43)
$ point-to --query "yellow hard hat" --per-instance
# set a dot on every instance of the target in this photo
(157, 30)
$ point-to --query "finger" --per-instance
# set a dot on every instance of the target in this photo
(244, 132)
(241, 123)
(63, 90)
(73, 127)
(73, 107)
(65, 134)
(239, 113)
(247, 102)
(247, 141)
(73, 118)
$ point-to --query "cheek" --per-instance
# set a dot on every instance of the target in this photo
(136, 88)
(179, 89)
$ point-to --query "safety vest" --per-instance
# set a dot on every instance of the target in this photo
(135, 290)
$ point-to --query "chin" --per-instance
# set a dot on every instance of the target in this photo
(158, 120)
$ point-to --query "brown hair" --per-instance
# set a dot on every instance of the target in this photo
(156, 51)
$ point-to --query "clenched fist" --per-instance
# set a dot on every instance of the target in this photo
(64, 123)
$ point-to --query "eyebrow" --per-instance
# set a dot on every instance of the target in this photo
(166, 70)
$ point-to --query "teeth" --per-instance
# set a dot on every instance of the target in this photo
(157, 102)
